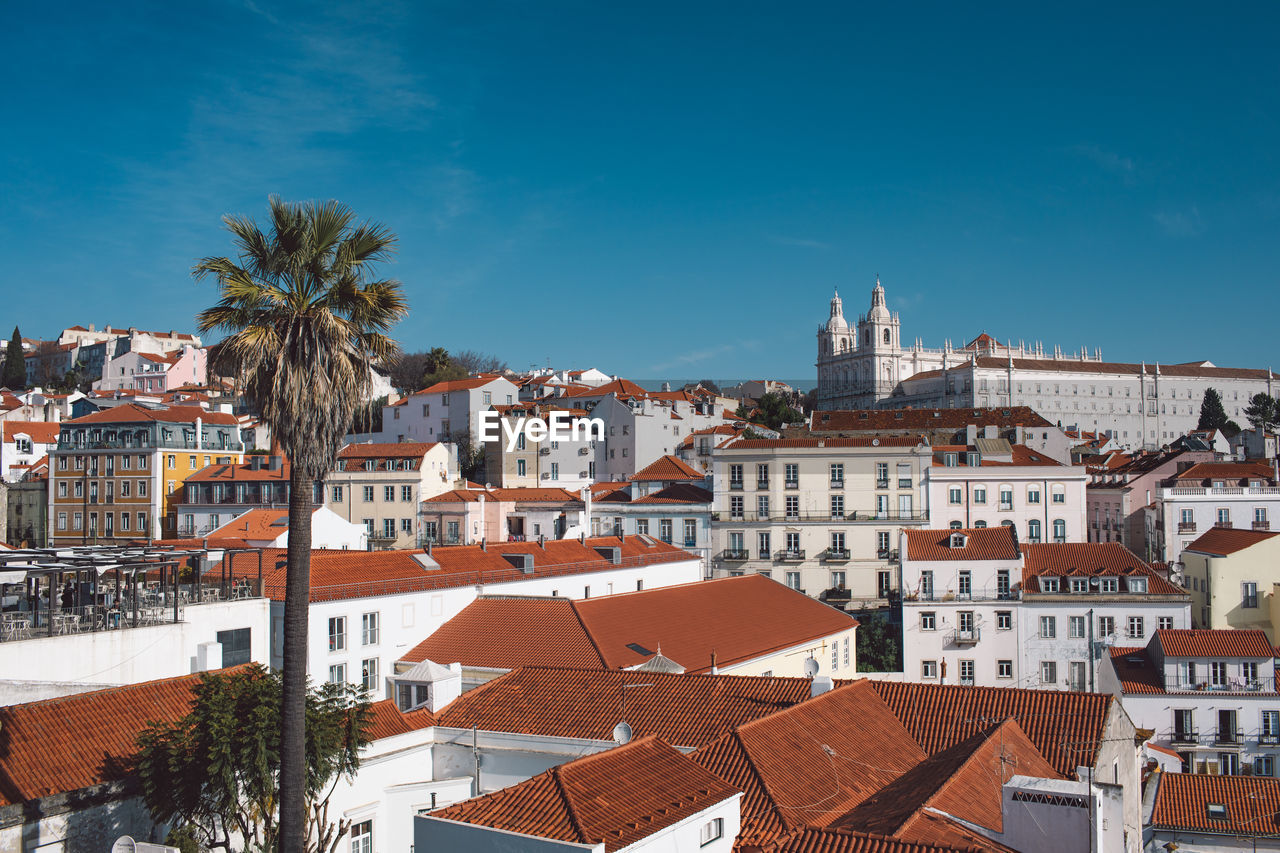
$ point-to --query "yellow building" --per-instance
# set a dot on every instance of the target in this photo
(117, 473)
(1231, 574)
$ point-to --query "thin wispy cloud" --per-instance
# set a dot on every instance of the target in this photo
(691, 358)
(800, 242)
(1108, 161)
(1180, 223)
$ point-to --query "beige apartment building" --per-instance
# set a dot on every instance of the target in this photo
(821, 515)
(382, 486)
(1230, 573)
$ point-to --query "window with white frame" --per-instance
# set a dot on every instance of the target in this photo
(1076, 627)
(362, 837)
(1137, 628)
(338, 673)
(1048, 672)
(966, 672)
(928, 669)
(369, 629)
(1164, 623)
(955, 495)
(1004, 620)
(1048, 627)
(337, 633)
(1004, 669)
(928, 621)
(712, 830)
(369, 675)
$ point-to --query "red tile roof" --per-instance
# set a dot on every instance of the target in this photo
(256, 525)
(239, 472)
(387, 720)
(615, 798)
(1020, 455)
(1066, 727)
(457, 385)
(980, 543)
(1091, 559)
(356, 574)
(668, 468)
(737, 619)
(40, 432)
(856, 441)
(1135, 671)
(687, 711)
(1230, 471)
(517, 495)
(1224, 541)
(815, 840)
(620, 387)
(1252, 804)
(1218, 643)
(390, 450)
(132, 413)
(915, 420)
(1050, 365)
(677, 493)
(73, 742)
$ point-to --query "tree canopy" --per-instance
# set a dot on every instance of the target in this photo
(15, 364)
(1263, 411)
(774, 411)
(414, 371)
(1212, 413)
(215, 772)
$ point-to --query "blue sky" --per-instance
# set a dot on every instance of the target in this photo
(667, 188)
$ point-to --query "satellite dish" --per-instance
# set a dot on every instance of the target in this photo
(124, 844)
(622, 733)
(875, 442)
(810, 667)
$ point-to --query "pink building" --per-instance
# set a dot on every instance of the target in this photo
(155, 373)
(1117, 497)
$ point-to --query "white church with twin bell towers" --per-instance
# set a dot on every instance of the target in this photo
(1141, 405)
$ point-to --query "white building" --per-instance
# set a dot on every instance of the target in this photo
(368, 609)
(641, 430)
(978, 608)
(1141, 405)
(269, 528)
(437, 413)
(1214, 494)
(822, 515)
(668, 499)
(992, 482)
(1208, 695)
(539, 460)
(22, 444)
(473, 516)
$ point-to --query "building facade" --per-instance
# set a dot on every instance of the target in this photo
(1231, 575)
(382, 486)
(1236, 495)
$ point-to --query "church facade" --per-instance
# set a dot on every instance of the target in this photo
(865, 366)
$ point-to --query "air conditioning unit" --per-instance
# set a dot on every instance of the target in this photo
(546, 475)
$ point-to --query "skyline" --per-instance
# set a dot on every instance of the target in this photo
(693, 181)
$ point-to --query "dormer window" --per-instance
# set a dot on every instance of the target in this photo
(973, 460)
(958, 540)
(1137, 585)
(1079, 585)
(950, 459)
(1109, 584)
(1048, 584)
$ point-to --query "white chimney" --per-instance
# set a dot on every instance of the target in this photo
(819, 685)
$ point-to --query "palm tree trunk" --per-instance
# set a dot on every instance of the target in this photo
(297, 595)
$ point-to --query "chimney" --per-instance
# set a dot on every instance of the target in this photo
(255, 462)
(819, 685)
(715, 670)
(274, 463)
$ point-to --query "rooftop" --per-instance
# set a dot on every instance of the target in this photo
(132, 413)
(1225, 541)
(668, 468)
(392, 450)
(1218, 643)
(1242, 806)
(975, 543)
(1090, 559)
(916, 420)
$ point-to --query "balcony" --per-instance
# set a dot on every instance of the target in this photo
(762, 484)
(1186, 736)
(862, 515)
(734, 555)
(790, 555)
(961, 637)
(735, 485)
(836, 556)
(1228, 737)
(1266, 684)
(882, 484)
(1262, 525)
(1269, 739)
(837, 484)
(791, 484)
(1226, 525)
(1186, 527)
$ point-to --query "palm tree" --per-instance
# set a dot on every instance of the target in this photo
(304, 320)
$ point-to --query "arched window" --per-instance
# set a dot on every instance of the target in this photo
(1006, 523)
(980, 525)
(886, 336)
(1059, 530)
(1033, 530)
(955, 525)
(866, 336)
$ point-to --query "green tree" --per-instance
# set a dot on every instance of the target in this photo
(1212, 414)
(879, 644)
(1263, 411)
(15, 364)
(215, 772)
(774, 411)
(305, 319)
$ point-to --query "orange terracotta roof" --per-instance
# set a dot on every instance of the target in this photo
(1020, 455)
(598, 488)
(356, 574)
(133, 413)
(856, 441)
(1091, 559)
(914, 420)
(40, 432)
(737, 619)
(257, 525)
(1224, 541)
(687, 711)
(615, 798)
(1066, 727)
(1233, 471)
(1252, 804)
(621, 387)
(239, 472)
(980, 543)
(516, 495)
(1135, 671)
(817, 840)
(167, 358)
(678, 493)
(1218, 643)
(457, 385)
(386, 720)
(74, 742)
(390, 450)
(667, 468)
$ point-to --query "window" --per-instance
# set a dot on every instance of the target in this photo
(846, 651)
(338, 673)
(762, 476)
(520, 469)
(1059, 530)
(928, 621)
(1137, 628)
(712, 830)
(142, 488)
(928, 669)
(1164, 623)
(1048, 672)
(642, 526)
(1006, 497)
(1270, 726)
(966, 672)
(835, 656)
(1059, 493)
(389, 528)
(367, 494)
(837, 580)
(735, 476)
(837, 506)
(762, 506)
(837, 473)
(979, 495)
(837, 542)
(335, 494)
(882, 475)
(955, 495)
(735, 506)
(171, 461)
(1264, 765)
(1076, 627)
(1004, 620)
(1004, 669)
(793, 506)
(792, 475)
(1109, 584)
(1249, 594)
(1106, 626)
(690, 532)
(1033, 494)
(362, 837)
(965, 582)
(926, 585)
(793, 580)
(1218, 673)
(762, 540)
(337, 633)
(1224, 517)
(664, 530)
(406, 525)
(369, 675)
(369, 629)
(1079, 585)
(1048, 627)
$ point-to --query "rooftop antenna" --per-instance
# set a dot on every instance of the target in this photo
(810, 667)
